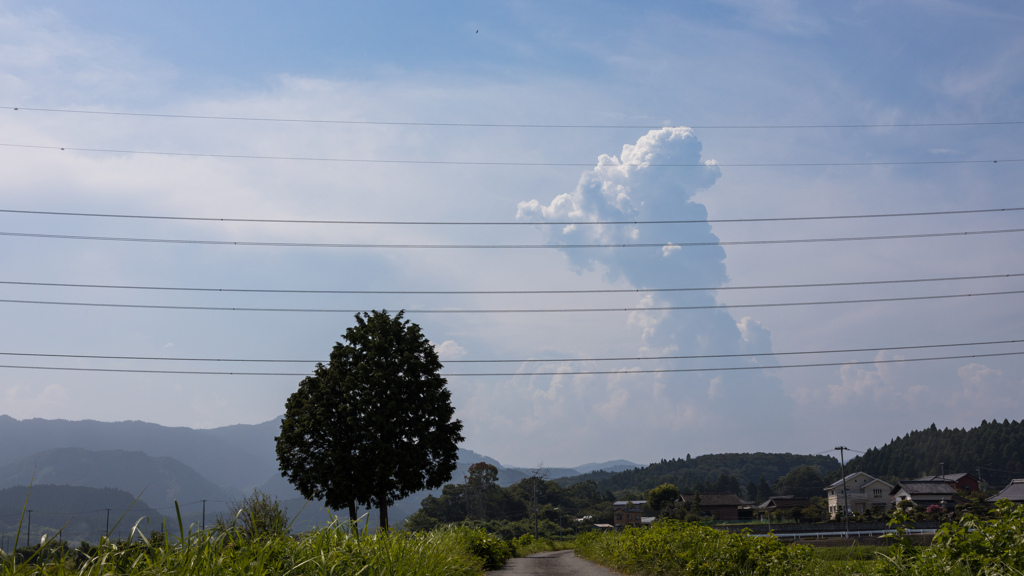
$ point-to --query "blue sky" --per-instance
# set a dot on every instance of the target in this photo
(713, 66)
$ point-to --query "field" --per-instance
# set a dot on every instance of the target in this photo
(972, 546)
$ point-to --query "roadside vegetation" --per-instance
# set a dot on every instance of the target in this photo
(330, 550)
(970, 546)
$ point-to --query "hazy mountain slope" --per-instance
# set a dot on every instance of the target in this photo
(160, 481)
(81, 511)
(611, 466)
(219, 459)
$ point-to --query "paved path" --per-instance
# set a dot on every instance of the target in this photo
(561, 563)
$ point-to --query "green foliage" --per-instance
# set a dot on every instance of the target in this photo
(992, 446)
(993, 546)
(333, 549)
(508, 511)
(255, 516)
(661, 496)
(492, 550)
(375, 425)
(670, 548)
(711, 473)
(803, 482)
(902, 551)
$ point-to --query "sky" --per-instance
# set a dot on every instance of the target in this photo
(639, 181)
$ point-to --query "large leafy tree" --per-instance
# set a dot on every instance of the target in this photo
(376, 424)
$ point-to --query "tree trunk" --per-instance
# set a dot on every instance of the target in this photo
(352, 518)
(383, 516)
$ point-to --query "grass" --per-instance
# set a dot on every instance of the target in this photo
(328, 551)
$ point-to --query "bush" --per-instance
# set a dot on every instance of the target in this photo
(979, 546)
(255, 516)
(492, 550)
(672, 547)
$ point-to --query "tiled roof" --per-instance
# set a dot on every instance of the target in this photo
(921, 487)
(947, 478)
(785, 502)
(1014, 491)
(629, 502)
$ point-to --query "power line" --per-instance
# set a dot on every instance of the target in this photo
(669, 245)
(507, 310)
(556, 373)
(500, 162)
(506, 223)
(533, 360)
(499, 292)
(511, 125)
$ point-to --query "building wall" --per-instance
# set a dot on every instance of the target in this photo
(864, 492)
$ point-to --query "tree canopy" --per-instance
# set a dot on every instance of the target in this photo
(376, 424)
(993, 449)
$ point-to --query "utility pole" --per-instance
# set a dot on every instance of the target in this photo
(535, 519)
(28, 535)
(107, 533)
(846, 493)
(942, 470)
(204, 514)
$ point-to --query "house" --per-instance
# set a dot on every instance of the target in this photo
(926, 493)
(863, 491)
(1014, 492)
(960, 481)
(721, 506)
(783, 503)
(627, 513)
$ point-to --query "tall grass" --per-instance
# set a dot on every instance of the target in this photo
(327, 551)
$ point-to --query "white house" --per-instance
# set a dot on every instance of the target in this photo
(863, 491)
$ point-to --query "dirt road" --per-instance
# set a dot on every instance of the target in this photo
(561, 563)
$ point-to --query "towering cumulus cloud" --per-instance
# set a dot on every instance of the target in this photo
(656, 180)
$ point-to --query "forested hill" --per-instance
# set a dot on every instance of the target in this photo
(994, 447)
(705, 472)
(81, 512)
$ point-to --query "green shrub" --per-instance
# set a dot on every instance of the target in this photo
(672, 547)
(254, 516)
(492, 550)
(977, 546)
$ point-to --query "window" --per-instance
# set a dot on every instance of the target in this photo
(877, 492)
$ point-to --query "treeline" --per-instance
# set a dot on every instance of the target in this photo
(531, 505)
(77, 512)
(994, 449)
(748, 475)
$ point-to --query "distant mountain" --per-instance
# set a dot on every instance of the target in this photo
(611, 466)
(224, 455)
(160, 481)
(81, 512)
(545, 471)
(189, 465)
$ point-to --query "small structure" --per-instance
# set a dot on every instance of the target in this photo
(863, 491)
(959, 481)
(627, 513)
(926, 493)
(782, 503)
(1014, 492)
(721, 506)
